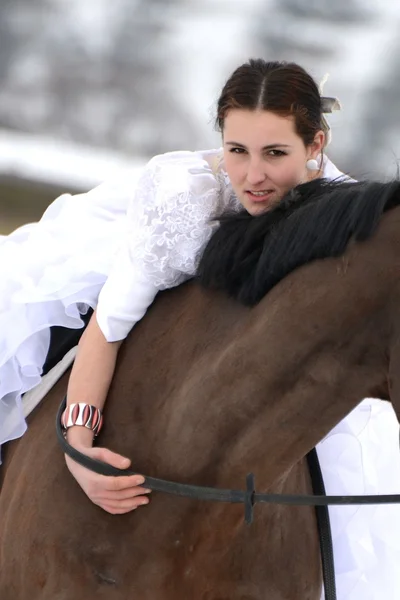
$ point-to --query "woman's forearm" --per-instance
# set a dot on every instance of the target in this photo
(91, 375)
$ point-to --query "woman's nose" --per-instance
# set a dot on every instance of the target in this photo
(256, 173)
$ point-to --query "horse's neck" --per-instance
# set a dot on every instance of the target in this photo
(320, 349)
(319, 344)
(304, 358)
(235, 389)
(277, 385)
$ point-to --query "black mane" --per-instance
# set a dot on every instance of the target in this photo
(247, 255)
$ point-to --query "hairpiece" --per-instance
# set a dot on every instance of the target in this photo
(328, 105)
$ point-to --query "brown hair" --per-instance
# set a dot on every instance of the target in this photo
(280, 87)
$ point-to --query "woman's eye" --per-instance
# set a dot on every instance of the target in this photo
(237, 150)
(276, 153)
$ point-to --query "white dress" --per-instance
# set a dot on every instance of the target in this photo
(115, 247)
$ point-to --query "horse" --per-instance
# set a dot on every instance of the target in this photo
(293, 319)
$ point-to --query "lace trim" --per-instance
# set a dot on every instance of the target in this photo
(172, 227)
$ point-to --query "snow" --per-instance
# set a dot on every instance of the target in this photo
(49, 161)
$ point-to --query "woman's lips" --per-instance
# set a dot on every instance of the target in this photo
(258, 197)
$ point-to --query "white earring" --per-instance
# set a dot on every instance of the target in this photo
(312, 165)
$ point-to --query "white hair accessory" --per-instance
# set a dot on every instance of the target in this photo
(328, 104)
(322, 83)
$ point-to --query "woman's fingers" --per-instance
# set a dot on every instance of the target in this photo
(117, 511)
(100, 486)
(112, 458)
(130, 492)
(116, 484)
(113, 487)
(123, 506)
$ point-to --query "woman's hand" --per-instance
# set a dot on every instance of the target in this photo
(116, 495)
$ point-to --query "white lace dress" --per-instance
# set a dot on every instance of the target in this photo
(115, 247)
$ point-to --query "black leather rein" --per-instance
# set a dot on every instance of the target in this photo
(249, 497)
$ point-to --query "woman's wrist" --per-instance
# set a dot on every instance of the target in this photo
(79, 436)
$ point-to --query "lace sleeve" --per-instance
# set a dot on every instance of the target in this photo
(169, 224)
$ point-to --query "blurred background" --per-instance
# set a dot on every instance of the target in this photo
(90, 88)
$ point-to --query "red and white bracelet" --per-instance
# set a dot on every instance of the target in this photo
(85, 415)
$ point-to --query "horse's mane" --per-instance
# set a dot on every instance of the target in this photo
(248, 255)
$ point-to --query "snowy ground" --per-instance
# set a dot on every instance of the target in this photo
(53, 162)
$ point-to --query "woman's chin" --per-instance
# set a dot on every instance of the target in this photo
(260, 208)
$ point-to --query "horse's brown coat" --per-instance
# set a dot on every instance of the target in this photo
(206, 391)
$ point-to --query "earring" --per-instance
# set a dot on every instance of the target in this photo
(312, 165)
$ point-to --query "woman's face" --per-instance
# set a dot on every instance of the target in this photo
(264, 157)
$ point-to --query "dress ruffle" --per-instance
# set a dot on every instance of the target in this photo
(361, 456)
(50, 273)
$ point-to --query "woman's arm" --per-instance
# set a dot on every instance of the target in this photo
(89, 382)
(91, 376)
(168, 224)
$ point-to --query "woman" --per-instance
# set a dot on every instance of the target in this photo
(274, 135)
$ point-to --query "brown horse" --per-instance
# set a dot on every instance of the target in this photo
(206, 390)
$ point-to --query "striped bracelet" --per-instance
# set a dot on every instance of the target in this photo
(85, 415)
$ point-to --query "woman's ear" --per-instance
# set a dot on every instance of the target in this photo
(318, 144)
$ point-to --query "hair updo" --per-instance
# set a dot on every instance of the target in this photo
(283, 88)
